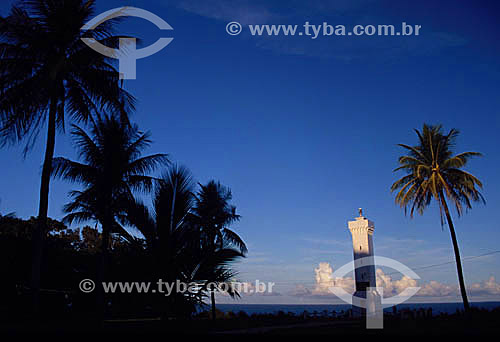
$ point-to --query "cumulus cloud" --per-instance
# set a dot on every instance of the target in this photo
(300, 291)
(436, 289)
(487, 287)
(324, 280)
(393, 287)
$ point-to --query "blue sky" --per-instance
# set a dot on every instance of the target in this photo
(304, 131)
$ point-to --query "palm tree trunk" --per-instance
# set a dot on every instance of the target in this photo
(212, 295)
(457, 255)
(41, 227)
(103, 268)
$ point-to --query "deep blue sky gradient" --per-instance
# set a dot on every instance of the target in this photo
(305, 131)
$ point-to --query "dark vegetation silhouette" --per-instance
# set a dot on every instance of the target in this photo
(435, 173)
(48, 79)
(214, 214)
(177, 237)
(171, 240)
(112, 169)
(70, 256)
(48, 76)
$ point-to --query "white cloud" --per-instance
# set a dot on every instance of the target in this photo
(324, 280)
(436, 289)
(487, 287)
(300, 291)
(345, 12)
(393, 287)
(243, 11)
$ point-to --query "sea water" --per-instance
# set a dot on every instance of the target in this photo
(437, 308)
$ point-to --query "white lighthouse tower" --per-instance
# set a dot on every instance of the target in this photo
(362, 242)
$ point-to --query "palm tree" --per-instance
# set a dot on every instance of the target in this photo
(178, 242)
(165, 228)
(112, 170)
(433, 172)
(213, 214)
(9, 215)
(47, 76)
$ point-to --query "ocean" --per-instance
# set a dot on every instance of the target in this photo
(437, 308)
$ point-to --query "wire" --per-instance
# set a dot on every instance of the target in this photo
(448, 262)
(411, 268)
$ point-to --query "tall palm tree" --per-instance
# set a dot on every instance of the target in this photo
(112, 170)
(47, 76)
(214, 214)
(177, 241)
(433, 172)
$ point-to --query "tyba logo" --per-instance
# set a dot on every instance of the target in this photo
(127, 54)
(374, 302)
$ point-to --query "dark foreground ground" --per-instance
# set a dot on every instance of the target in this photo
(478, 323)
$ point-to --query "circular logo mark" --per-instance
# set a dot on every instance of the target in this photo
(87, 286)
(234, 28)
(127, 54)
(380, 261)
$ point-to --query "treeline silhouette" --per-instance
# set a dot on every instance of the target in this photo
(49, 79)
(183, 246)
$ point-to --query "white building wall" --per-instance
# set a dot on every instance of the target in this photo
(362, 242)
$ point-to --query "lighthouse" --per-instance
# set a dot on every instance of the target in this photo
(362, 243)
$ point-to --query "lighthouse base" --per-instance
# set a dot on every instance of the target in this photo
(364, 302)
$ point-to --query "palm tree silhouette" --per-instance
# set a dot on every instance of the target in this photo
(9, 215)
(177, 240)
(165, 227)
(433, 172)
(112, 170)
(213, 214)
(47, 76)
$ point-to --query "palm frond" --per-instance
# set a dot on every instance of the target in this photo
(43, 59)
(433, 171)
(235, 239)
